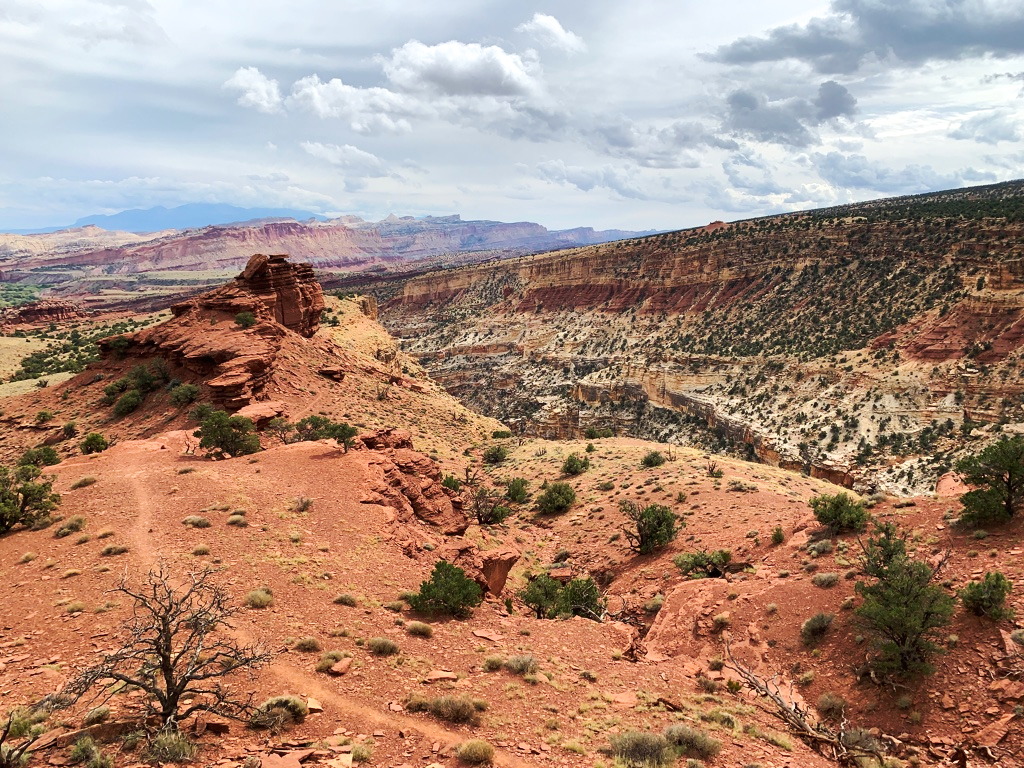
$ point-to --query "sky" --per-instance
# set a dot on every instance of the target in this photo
(647, 114)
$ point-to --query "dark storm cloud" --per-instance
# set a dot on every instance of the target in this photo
(905, 31)
(786, 121)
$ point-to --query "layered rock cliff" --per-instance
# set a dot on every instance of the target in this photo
(234, 357)
(854, 343)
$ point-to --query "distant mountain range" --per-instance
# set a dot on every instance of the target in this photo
(190, 216)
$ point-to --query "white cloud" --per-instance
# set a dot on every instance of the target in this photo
(991, 127)
(459, 69)
(367, 110)
(547, 31)
(356, 164)
(257, 90)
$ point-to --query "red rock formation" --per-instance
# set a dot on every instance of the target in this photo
(41, 312)
(410, 483)
(236, 362)
(489, 569)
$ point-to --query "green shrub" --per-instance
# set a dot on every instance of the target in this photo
(184, 394)
(494, 663)
(541, 594)
(447, 591)
(692, 742)
(999, 470)
(329, 659)
(521, 665)
(321, 428)
(988, 596)
(73, 524)
(812, 630)
(581, 597)
(777, 535)
(94, 442)
(96, 715)
(171, 747)
(26, 497)
(495, 454)
(245, 319)
(654, 526)
(452, 483)
(475, 752)
(259, 598)
(382, 646)
(307, 645)
(703, 564)
(500, 434)
(516, 490)
(43, 456)
(279, 712)
(637, 748)
(575, 465)
(453, 709)
(825, 580)
(556, 499)
(419, 629)
(222, 435)
(128, 402)
(653, 459)
(840, 512)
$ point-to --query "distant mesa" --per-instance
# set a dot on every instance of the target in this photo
(204, 337)
(40, 313)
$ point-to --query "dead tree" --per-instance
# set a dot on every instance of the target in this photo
(847, 746)
(14, 747)
(174, 648)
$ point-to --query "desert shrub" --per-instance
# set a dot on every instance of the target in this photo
(307, 645)
(475, 752)
(451, 482)
(222, 435)
(279, 712)
(201, 550)
(453, 709)
(814, 628)
(703, 564)
(574, 465)
(516, 490)
(43, 456)
(237, 521)
(322, 428)
(521, 665)
(999, 471)
(196, 521)
(493, 663)
(346, 600)
(171, 747)
(362, 752)
(83, 482)
(653, 459)
(777, 535)
(840, 512)
(329, 659)
(903, 610)
(26, 497)
(692, 742)
(86, 751)
(556, 499)
(419, 629)
(501, 434)
(831, 706)
(825, 580)
(245, 319)
(184, 394)
(200, 411)
(93, 442)
(988, 596)
(382, 646)
(96, 715)
(641, 749)
(128, 402)
(113, 549)
(447, 591)
(72, 525)
(654, 526)
(581, 597)
(541, 594)
(495, 454)
(259, 598)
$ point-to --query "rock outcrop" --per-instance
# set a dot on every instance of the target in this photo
(41, 312)
(410, 483)
(234, 359)
(489, 568)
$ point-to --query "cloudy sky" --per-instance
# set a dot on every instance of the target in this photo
(640, 114)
